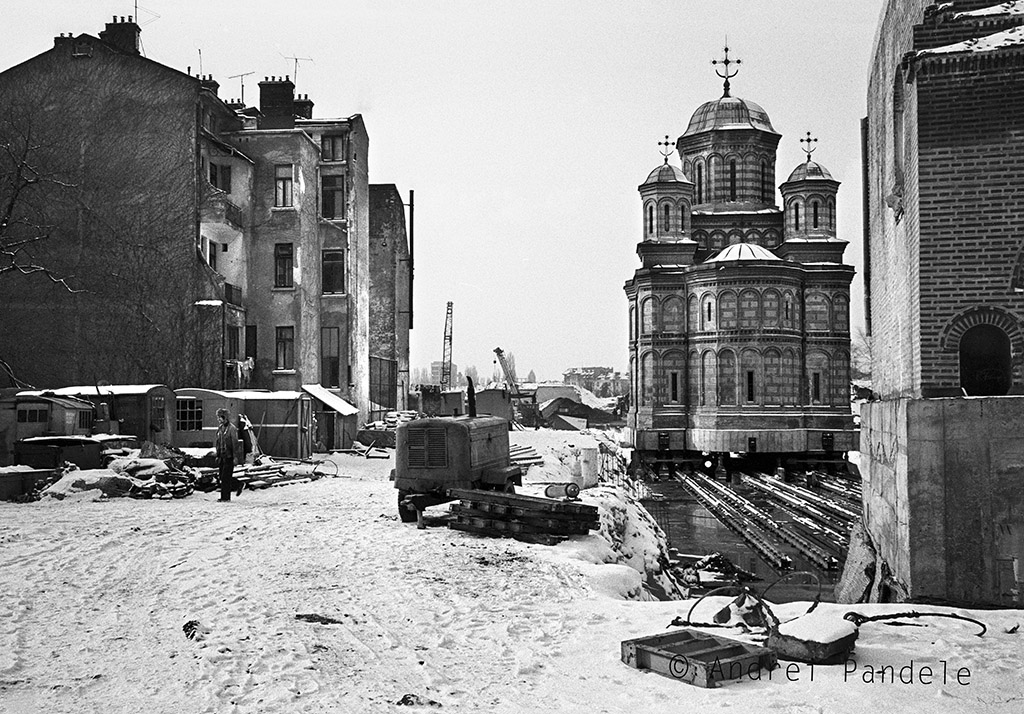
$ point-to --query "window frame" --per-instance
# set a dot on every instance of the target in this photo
(284, 265)
(284, 347)
(337, 194)
(339, 262)
(284, 186)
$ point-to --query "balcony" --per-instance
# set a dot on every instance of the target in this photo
(233, 295)
(218, 213)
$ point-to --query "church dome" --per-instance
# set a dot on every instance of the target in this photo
(743, 251)
(666, 173)
(729, 113)
(810, 171)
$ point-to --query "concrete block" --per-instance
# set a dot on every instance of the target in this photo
(963, 418)
(925, 420)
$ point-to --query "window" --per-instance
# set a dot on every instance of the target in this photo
(333, 272)
(766, 190)
(732, 180)
(250, 341)
(332, 148)
(188, 414)
(750, 385)
(708, 318)
(213, 250)
(796, 216)
(816, 387)
(283, 186)
(666, 219)
(285, 348)
(673, 387)
(220, 177)
(650, 219)
(332, 196)
(330, 356)
(233, 339)
(700, 183)
(815, 208)
(284, 262)
(33, 415)
(156, 412)
(85, 420)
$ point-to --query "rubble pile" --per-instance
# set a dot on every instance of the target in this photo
(392, 420)
(265, 473)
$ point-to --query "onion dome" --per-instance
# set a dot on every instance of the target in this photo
(743, 251)
(666, 173)
(810, 171)
(729, 113)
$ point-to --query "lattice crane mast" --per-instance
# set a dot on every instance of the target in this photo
(446, 355)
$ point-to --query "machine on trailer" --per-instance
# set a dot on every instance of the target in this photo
(435, 455)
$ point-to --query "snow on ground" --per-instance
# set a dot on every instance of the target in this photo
(94, 595)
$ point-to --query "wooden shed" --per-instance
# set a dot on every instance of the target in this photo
(337, 421)
(145, 411)
(282, 421)
(28, 414)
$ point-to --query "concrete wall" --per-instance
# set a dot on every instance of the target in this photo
(944, 495)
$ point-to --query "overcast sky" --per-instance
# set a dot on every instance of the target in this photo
(524, 129)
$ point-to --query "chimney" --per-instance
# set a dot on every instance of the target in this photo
(304, 106)
(122, 35)
(277, 103)
(208, 82)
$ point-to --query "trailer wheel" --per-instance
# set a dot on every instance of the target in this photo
(405, 514)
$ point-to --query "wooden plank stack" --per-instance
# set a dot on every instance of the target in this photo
(528, 518)
(524, 456)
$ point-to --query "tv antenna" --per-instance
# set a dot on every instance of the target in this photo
(241, 81)
(295, 73)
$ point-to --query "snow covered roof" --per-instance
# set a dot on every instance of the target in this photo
(666, 173)
(1007, 8)
(743, 251)
(809, 171)
(93, 390)
(332, 400)
(729, 113)
(1014, 37)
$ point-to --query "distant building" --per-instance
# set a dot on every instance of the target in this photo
(602, 381)
(437, 368)
(944, 255)
(739, 333)
(215, 245)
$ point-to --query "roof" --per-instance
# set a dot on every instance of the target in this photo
(743, 251)
(331, 400)
(666, 173)
(1014, 37)
(729, 113)
(810, 171)
(102, 390)
(65, 401)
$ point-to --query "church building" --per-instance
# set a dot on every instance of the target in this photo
(739, 329)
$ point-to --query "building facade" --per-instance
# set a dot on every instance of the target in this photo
(944, 169)
(228, 246)
(739, 335)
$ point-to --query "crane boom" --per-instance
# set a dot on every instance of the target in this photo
(446, 356)
(510, 373)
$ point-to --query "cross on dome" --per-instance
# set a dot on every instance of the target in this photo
(725, 63)
(668, 145)
(809, 141)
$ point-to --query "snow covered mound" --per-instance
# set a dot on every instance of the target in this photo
(90, 484)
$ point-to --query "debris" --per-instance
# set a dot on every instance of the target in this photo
(818, 638)
(858, 619)
(319, 619)
(415, 700)
(194, 630)
(1012, 630)
(530, 518)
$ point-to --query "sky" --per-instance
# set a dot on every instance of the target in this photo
(524, 129)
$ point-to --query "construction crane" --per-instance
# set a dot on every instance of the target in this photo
(510, 374)
(446, 355)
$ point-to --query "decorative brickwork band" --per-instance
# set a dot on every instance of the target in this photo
(983, 315)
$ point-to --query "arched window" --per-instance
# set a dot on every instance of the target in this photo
(985, 368)
(732, 179)
(700, 183)
(666, 219)
(796, 216)
(650, 219)
(765, 188)
(727, 377)
(682, 217)
(815, 205)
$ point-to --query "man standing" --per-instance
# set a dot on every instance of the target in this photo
(228, 454)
